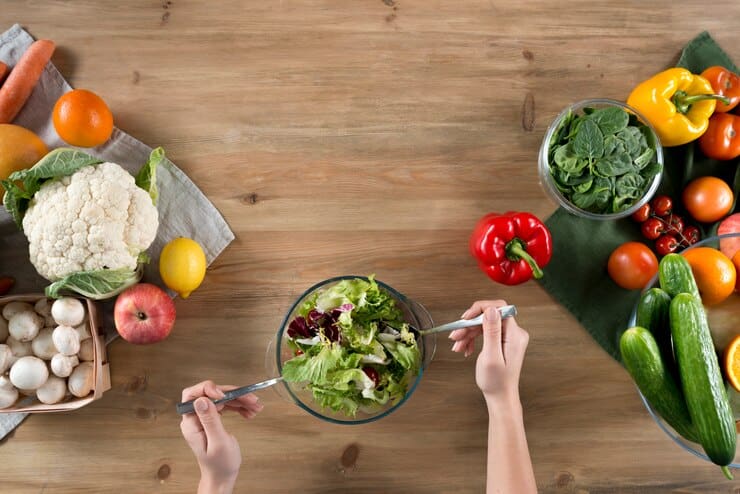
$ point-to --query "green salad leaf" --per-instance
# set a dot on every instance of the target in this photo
(146, 178)
(355, 351)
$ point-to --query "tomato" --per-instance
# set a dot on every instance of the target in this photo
(708, 199)
(632, 265)
(642, 214)
(690, 235)
(731, 224)
(676, 225)
(714, 273)
(652, 228)
(666, 244)
(662, 205)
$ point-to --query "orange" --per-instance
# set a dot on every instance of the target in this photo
(732, 363)
(714, 273)
(81, 118)
(19, 148)
(736, 263)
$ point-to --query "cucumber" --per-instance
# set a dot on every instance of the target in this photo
(676, 277)
(642, 357)
(701, 379)
(652, 314)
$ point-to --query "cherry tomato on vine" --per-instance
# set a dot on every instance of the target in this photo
(632, 265)
(643, 213)
(691, 235)
(676, 225)
(652, 228)
(662, 205)
(666, 244)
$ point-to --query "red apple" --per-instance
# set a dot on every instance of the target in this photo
(144, 314)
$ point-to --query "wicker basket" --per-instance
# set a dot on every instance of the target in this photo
(101, 369)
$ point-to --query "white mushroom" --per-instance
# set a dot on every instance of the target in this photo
(6, 358)
(83, 331)
(49, 322)
(66, 340)
(53, 390)
(80, 383)
(67, 311)
(29, 373)
(27, 392)
(24, 326)
(43, 345)
(43, 307)
(12, 308)
(8, 393)
(18, 348)
(62, 365)
(3, 330)
(86, 353)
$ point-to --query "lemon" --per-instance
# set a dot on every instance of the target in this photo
(182, 265)
(19, 148)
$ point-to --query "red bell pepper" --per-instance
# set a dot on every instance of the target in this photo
(724, 83)
(511, 248)
(721, 141)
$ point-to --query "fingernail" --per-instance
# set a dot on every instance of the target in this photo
(455, 346)
(465, 314)
(260, 407)
(221, 394)
(201, 405)
(449, 336)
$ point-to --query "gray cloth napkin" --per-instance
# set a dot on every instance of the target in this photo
(183, 209)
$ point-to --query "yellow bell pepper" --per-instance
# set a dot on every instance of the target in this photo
(677, 104)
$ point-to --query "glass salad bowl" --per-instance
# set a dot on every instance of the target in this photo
(724, 322)
(281, 349)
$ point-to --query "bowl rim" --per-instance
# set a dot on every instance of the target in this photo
(543, 162)
(677, 438)
(412, 387)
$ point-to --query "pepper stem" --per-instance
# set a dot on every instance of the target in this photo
(516, 250)
(683, 101)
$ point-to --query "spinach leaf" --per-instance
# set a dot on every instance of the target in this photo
(589, 142)
(610, 119)
(614, 165)
(646, 157)
(568, 160)
(629, 186)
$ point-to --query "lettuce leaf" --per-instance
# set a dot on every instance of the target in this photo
(313, 368)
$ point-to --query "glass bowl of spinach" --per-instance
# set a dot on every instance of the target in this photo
(600, 159)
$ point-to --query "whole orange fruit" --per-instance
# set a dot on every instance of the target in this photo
(19, 148)
(714, 273)
(81, 118)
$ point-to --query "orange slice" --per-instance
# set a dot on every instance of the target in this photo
(732, 363)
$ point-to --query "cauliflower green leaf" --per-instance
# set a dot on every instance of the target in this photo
(147, 176)
(98, 284)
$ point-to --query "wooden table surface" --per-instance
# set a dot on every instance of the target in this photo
(348, 136)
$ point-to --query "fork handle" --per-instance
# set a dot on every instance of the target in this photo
(505, 311)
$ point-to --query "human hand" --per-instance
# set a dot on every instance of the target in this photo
(500, 361)
(216, 451)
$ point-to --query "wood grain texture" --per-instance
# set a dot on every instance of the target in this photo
(358, 136)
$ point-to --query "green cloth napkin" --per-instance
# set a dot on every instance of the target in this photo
(576, 276)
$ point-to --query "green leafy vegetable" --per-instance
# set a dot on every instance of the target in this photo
(146, 178)
(98, 285)
(602, 160)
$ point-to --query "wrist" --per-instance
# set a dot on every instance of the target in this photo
(504, 403)
(211, 485)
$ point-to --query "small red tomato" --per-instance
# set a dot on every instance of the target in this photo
(642, 214)
(652, 228)
(298, 352)
(675, 226)
(632, 265)
(662, 205)
(666, 244)
(691, 235)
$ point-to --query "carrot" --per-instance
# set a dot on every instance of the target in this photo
(3, 72)
(23, 78)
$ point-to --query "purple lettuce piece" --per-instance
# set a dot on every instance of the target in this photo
(315, 318)
(299, 328)
(332, 333)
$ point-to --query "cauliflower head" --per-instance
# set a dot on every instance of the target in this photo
(96, 218)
